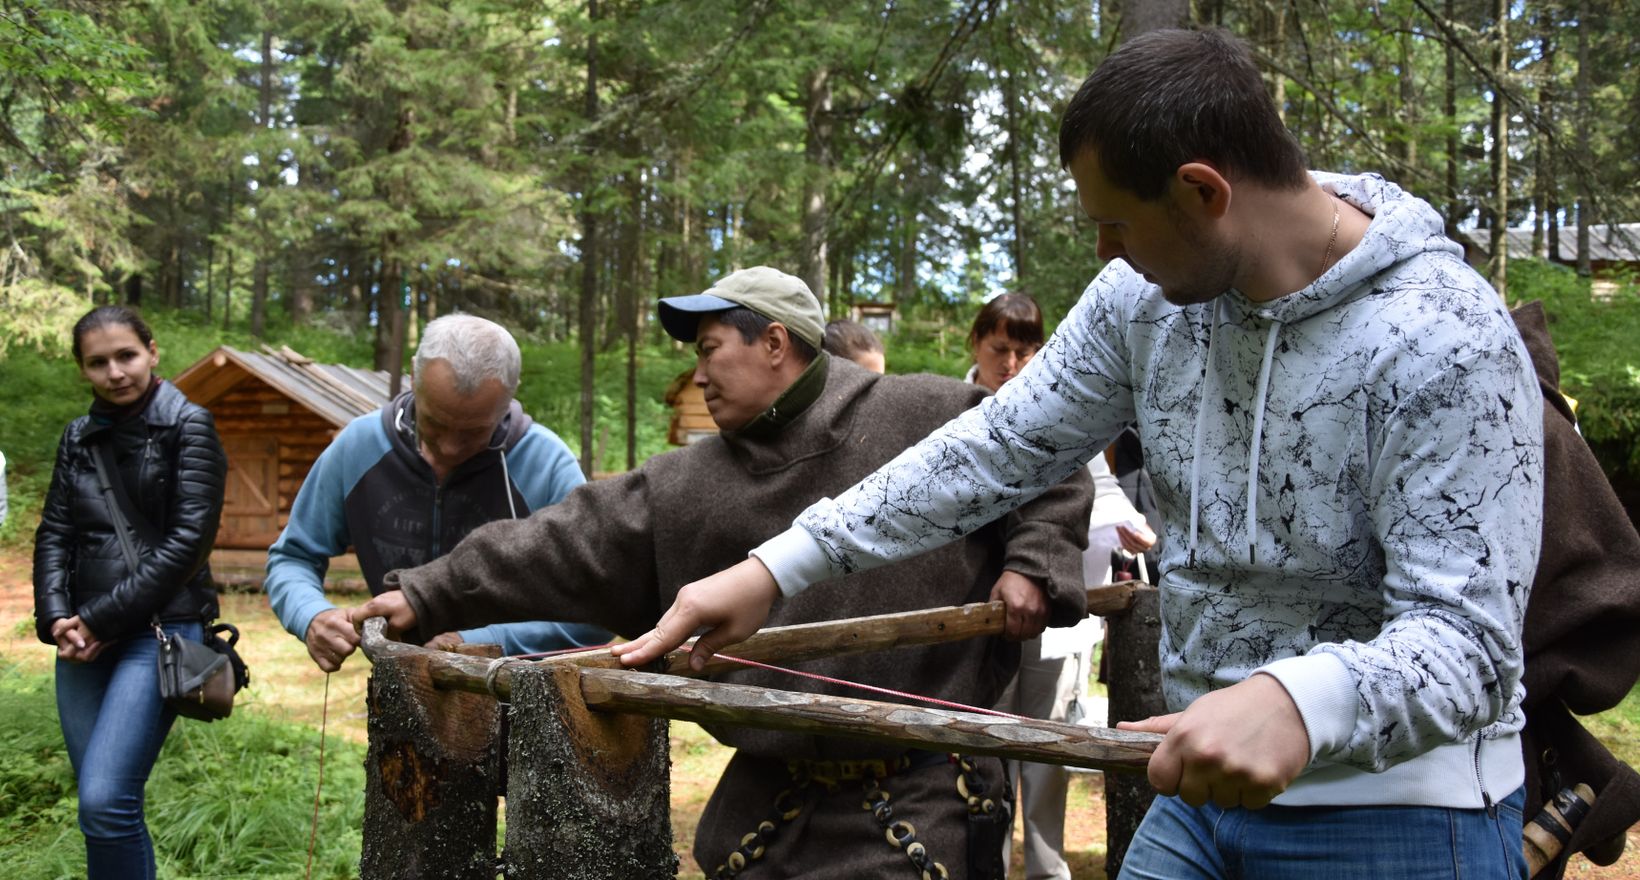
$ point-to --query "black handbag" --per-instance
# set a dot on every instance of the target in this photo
(199, 679)
(196, 679)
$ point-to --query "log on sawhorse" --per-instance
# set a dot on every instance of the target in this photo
(586, 773)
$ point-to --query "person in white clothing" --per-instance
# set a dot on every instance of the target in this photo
(1345, 437)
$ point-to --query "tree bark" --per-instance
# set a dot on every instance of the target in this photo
(1135, 674)
(895, 724)
(816, 181)
(1585, 187)
(259, 276)
(1010, 91)
(1543, 173)
(588, 311)
(1142, 16)
(1449, 106)
(1500, 154)
(783, 644)
(588, 794)
(431, 775)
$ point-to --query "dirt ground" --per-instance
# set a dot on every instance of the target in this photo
(286, 685)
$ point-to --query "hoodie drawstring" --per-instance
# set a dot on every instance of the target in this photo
(1201, 425)
(1258, 439)
(1260, 397)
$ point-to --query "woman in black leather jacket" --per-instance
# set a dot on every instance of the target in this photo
(88, 602)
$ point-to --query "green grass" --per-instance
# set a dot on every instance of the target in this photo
(230, 799)
(1619, 728)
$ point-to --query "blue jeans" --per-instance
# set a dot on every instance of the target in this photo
(1179, 842)
(114, 724)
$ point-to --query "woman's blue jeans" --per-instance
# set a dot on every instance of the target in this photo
(1179, 842)
(114, 724)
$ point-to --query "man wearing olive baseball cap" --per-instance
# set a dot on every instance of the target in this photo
(757, 335)
(797, 425)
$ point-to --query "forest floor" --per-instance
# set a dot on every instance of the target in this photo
(286, 685)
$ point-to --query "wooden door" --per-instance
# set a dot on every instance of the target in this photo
(250, 512)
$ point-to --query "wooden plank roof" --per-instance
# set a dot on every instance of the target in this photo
(1616, 243)
(336, 393)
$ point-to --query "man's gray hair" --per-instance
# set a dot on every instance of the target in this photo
(474, 348)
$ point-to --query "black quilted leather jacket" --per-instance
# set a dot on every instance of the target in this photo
(172, 456)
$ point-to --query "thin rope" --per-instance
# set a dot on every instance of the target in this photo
(877, 690)
(313, 833)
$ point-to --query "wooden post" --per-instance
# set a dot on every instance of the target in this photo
(1135, 675)
(588, 792)
(431, 774)
(914, 727)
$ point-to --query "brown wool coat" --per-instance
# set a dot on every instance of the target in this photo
(617, 551)
(1582, 632)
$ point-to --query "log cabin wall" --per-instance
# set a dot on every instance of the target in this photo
(272, 443)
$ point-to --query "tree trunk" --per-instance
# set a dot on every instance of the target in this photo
(393, 298)
(390, 305)
(1543, 174)
(905, 264)
(1409, 101)
(1585, 186)
(1273, 38)
(432, 774)
(1015, 149)
(264, 118)
(631, 312)
(1449, 106)
(1133, 662)
(259, 296)
(1500, 154)
(589, 258)
(588, 795)
(816, 180)
(1141, 16)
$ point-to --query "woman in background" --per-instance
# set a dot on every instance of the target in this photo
(97, 610)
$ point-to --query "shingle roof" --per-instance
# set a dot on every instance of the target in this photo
(1618, 242)
(334, 392)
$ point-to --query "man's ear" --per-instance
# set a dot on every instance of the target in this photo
(777, 343)
(1200, 190)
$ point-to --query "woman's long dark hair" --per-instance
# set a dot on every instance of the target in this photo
(102, 316)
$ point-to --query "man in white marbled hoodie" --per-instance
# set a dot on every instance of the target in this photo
(1345, 438)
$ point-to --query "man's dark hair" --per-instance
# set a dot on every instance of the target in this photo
(1169, 97)
(751, 325)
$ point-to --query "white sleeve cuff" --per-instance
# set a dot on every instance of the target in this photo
(795, 559)
(1323, 689)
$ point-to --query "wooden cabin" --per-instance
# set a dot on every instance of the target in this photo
(691, 421)
(275, 411)
(879, 317)
(1614, 252)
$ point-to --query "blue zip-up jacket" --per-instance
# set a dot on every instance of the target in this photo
(371, 489)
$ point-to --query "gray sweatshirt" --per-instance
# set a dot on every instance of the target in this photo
(1351, 482)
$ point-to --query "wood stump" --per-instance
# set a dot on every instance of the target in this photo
(588, 793)
(432, 775)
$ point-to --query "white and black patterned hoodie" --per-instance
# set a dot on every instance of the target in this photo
(1351, 478)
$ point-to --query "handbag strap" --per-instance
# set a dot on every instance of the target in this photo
(114, 495)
